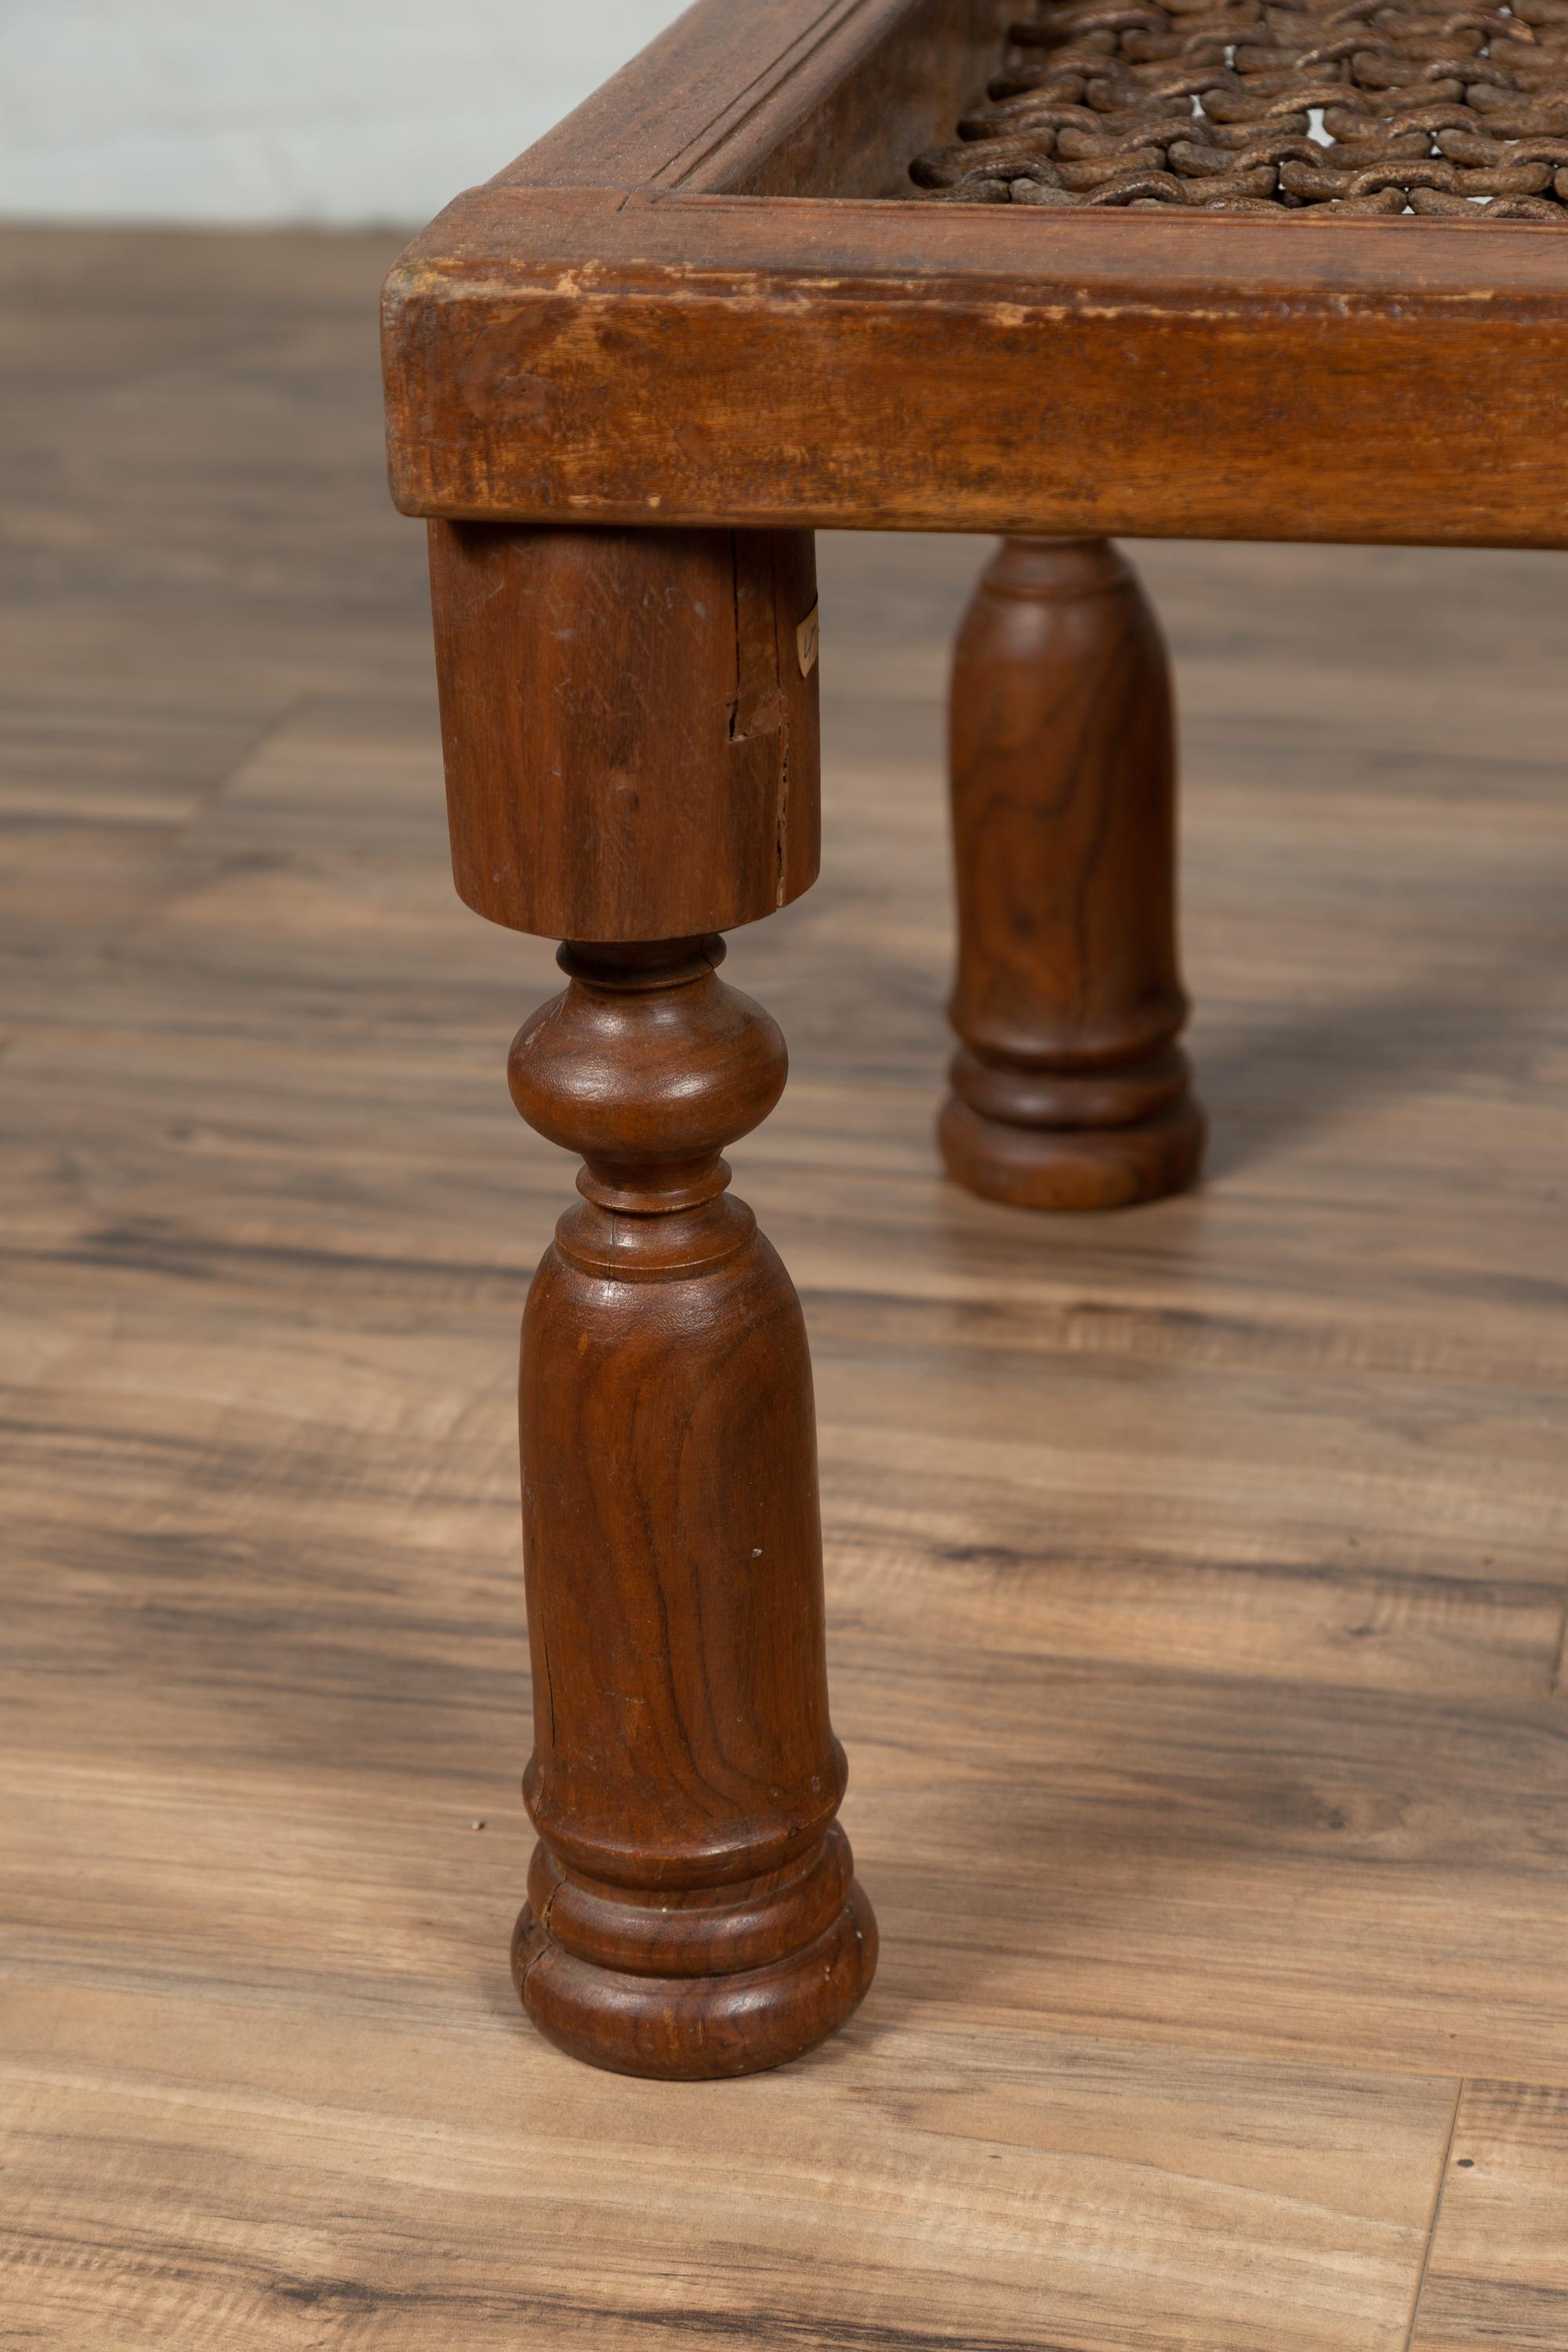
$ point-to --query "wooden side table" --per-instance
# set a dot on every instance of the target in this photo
(626, 380)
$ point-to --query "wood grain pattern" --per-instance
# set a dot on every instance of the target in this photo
(596, 335)
(629, 723)
(692, 1908)
(1198, 1574)
(631, 738)
(584, 355)
(972, 2192)
(788, 97)
(1497, 2275)
(1069, 1088)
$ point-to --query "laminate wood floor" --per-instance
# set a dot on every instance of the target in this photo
(1196, 1576)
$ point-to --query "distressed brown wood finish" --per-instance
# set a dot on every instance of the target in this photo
(695, 303)
(691, 1904)
(629, 723)
(584, 354)
(784, 98)
(702, 310)
(1069, 1088)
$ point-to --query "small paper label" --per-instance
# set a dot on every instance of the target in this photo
(806, 638)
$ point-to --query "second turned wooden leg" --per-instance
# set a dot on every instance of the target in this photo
(1069, 1090)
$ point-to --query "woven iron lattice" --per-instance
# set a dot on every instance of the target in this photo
(1340, 106)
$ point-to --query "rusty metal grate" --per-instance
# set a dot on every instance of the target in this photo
(1340, 106)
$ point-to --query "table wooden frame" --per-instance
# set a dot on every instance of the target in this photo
(659, 315)
(626, 380)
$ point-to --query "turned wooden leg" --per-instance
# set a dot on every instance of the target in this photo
(629, 723)
(1069, 1090)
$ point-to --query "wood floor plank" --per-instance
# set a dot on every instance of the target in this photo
(1263, 1864)
(1497, 2275)
(317, 1528)
(1036, 2192)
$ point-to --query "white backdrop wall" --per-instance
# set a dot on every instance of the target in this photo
(338, 112)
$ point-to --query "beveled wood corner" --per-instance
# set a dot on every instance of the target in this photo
(710, 298)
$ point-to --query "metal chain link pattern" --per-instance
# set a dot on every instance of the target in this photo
(1319, 106)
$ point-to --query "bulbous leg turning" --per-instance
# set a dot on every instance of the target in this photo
(629, 721)
(692, 1908)
(1069, 1089)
